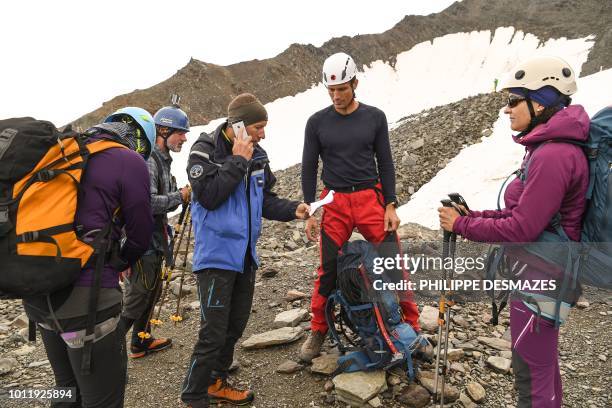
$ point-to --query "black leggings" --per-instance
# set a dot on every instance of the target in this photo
(105, 386)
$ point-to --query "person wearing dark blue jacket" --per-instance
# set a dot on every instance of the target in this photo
(232, 190)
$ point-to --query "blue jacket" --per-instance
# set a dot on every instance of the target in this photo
(230, 196)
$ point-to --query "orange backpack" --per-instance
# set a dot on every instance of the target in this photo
(40, 173)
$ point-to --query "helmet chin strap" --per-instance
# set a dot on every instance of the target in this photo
(535, 119)
(166, 137)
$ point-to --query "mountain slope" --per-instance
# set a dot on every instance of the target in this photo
(207, 88)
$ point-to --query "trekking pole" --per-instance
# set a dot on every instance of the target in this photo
(177, 316)
(167, 274)
(443, 315)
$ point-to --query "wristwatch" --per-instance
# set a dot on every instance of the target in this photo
(393, 203)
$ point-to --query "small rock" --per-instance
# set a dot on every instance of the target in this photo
(457, 367)
(7, 365)
(234, 366)
(476, 391)
(582, 303)
(38, 363)
(19, 322)
(451, 393)
(602, 357)
(194, 305)
(290, 318)
(326, 364)
(417, 144)
(175, 287)
(466, 401)
(283, 335)
(506, 354)
(295, 295)
(359, 386)
(24, 350)
(291, 245)
(455, 354)
(428, 319)
(498, 344)
(269, 273)
(460, 320)
(3, 329)
(393, 380)
(289, 367)
(414, 396)
(329, 386)
(500, 364)
(375, 402)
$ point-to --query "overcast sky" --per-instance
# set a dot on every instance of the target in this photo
(61, 59)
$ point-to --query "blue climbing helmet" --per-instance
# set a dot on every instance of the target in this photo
(145, 129)
(172, 117)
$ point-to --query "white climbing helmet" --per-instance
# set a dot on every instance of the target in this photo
(539, 72)
(338, 69)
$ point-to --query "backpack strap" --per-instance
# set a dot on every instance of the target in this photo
(101, 245)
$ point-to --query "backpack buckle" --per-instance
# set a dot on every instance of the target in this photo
(29, 236)
(45, 175)
(4, 215)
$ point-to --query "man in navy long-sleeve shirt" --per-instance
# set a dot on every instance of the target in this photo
(352, 139)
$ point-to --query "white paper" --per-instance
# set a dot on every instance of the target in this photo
(326, 200)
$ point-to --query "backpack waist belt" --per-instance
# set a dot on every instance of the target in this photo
(76, 339)
(544, 306)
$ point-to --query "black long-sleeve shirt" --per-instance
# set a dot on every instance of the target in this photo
(354, 149)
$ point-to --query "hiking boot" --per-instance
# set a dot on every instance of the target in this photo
(312, 346)
(222, 391)
(149, 346)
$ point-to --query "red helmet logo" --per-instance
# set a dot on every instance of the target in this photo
(333, 77)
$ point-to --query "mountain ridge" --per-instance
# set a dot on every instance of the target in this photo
(206, 88)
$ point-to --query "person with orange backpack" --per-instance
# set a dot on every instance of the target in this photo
(68, 198)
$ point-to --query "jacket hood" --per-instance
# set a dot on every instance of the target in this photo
(571, 123)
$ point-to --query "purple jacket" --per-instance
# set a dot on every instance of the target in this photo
(116, 178)
(557, 181)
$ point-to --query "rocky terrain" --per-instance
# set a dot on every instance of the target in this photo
(480, 369)
(206, 88)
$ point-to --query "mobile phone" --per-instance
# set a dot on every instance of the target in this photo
(240, 129)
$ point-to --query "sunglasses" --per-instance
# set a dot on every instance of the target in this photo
(514, 100)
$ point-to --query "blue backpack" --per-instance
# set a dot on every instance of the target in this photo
(590, 260)
(378, 335)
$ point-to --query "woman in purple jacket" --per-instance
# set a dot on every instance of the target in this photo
(556, 185)
(114, 179)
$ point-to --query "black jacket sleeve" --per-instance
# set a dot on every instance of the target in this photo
(386, 170)
(275, 208)
(310, 162)
(212, 183)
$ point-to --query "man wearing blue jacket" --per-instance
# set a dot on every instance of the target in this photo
(232, 189)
